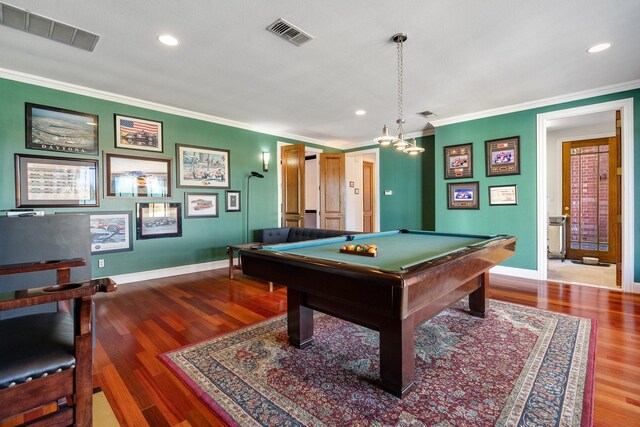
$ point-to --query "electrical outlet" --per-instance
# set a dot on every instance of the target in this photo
(100, 263)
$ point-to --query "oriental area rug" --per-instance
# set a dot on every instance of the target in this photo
(518, 367)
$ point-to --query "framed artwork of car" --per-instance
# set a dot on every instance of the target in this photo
(503, 156)
(201, 205)
(138, 134)
(110, 232)
(202, 167)
(154, 220)
(136, 176)
(463, 195)
(458, 161)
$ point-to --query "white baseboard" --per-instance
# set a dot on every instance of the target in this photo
(636, 288)
(515, 272)
(168, 272)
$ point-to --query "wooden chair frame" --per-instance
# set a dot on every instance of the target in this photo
(74, 384)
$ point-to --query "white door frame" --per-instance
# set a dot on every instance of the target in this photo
(626, 108)
(376, 206)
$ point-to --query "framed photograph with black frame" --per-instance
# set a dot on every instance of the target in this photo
(202, 167)
(137, 176)
(200, 205)
(458, 161)
(503, 156)
(60, 130)
(155, 220)
(233, 201)
(503, 195)
(138, 134)
(463, 195)
(47, 182)
(111, 232)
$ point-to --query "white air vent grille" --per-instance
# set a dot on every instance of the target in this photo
(24, 20)
(289, 32)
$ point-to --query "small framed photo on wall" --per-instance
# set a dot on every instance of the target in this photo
(156, 220)
(138, 134)
(233, 201)
(458, 161)
(463, 195)
(110, 231)
(503, 156)
(500, 195)
(201, 205)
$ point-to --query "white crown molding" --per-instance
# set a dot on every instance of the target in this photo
(108, 96)
(621, 87)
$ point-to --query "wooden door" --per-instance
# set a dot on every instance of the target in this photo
(332, 191)
(589, 196)
(368, 197)
(618, 221)
(292, 157)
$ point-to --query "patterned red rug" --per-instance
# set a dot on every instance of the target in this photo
(519, 366)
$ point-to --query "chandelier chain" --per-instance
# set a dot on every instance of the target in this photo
(400, 81)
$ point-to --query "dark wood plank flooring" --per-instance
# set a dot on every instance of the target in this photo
(144, 319)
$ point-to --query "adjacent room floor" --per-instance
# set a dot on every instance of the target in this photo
(569, 272)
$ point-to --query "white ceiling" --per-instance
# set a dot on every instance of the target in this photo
(461, 57)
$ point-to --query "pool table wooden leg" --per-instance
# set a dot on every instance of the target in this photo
(299, 320)
(397, 358)
(478, 298)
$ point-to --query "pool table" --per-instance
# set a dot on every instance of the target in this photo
(414, 276)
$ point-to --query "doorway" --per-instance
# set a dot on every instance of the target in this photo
(353, 170)
(571, 125)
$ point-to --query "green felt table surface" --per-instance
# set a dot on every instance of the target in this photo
(396, 250)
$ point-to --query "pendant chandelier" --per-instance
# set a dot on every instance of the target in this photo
(400, 143)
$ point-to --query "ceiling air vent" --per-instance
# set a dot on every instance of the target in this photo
(427, 114)
(289, 32)
(23, 20)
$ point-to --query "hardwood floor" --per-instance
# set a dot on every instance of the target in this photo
(142, 320)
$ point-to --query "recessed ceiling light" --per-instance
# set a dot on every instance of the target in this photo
(360, 112)
(168, 39)
(599, 47)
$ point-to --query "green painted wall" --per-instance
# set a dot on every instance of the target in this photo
(203, 239)
(517, 220)
(411, 180)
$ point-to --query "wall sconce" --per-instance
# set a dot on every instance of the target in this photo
(265, 160)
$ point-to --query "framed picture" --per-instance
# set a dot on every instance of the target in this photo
(233, 201)
(137, 176)
(110, 232)
(138, 134)
(503, 195)
(463, 195)
(503, 156)
(458, 161)
(44, 181)
(200, 205)
(60, 130)
(154, 220)
(202, 167)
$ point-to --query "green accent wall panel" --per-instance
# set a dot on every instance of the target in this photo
(203, 239)
(517, 220)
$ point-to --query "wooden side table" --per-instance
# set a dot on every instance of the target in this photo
(231, 250)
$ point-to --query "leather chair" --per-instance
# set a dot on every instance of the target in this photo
(46, 358)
